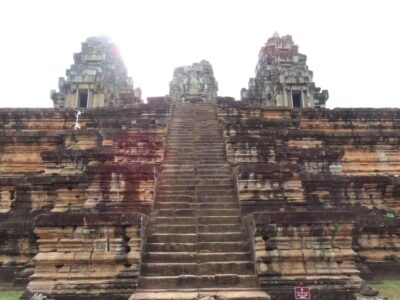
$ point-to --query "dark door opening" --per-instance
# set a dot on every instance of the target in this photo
(296, 98)
(83, 99)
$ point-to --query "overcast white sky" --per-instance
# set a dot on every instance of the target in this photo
(353, 47)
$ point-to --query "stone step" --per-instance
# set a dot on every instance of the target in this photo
(176, 198)
(180, 139)
(168, 247)
(229, 294)
(193, 181)
(206, 268)
(219, 228)
(177, 161)
(172, 238)
(220, 154)
(171, 188)
(184, 181)
(192, 151)
(197, 212)
(216, 198)
(193, 281)
(168, 187)
(203, 183)
(223, 246)
(214, 186)
(236, 236)
(219, 220)
(211, 193)
(212, 170)
(205, 247)
(197, 147)
(201, 172)
(190, 160)
(173, 228)
(209, 220)
(215, 166)
(195, 228)
(180, 132)
(173, 221)
(175, 193)
(194, 146)
(194, 158)
(159, 257)
(177, 167)
(171, 176)
(205, 205)
(193, 237)
(216, 193)
(181, 156)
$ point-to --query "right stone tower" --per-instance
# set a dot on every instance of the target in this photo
(282, 77)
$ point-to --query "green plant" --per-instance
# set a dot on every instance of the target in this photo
(388, 288)
(10, 295)
(390, 216)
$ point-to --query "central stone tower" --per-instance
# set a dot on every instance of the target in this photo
(195, 83)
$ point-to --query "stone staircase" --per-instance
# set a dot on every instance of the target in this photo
(196, 243)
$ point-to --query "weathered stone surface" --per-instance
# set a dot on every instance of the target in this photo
(87, 254)
(361, 297)
(97, 78)
(311, 248)
(282, 77)
(109, 165)
(194, 83)
(296, 162)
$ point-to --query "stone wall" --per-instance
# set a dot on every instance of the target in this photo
(320, 160)
(87, 255)
(108, 165)
(305, 248)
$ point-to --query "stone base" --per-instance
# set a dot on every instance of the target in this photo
(7, 274)
(244, 294)
(320, 293)
(361, 297)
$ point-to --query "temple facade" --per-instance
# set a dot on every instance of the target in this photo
(97, 78)
(282, 77)
(195, 83)
(195, 196)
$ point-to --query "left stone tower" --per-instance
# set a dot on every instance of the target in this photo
(97, 78)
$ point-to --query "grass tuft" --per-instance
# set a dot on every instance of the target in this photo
(10, 295)
(388, 288)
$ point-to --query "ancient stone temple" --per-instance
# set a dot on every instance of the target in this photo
(282, 77)
(98, 78)
(194, 83)
(199, 200)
